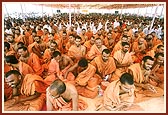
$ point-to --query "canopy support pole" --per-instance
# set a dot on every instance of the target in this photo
(70, 14)
(22, 11)
(6, 10)
(121, 12)
(42, 10)
(154, 18)
(162, 11)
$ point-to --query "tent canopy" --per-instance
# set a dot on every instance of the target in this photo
(99, 6)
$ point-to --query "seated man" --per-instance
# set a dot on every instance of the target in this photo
(63, 97)
(58, 66)
(119, 94)
(157, 74)
(31, 59)
(123, 59)
(77, 50)
(105, 65)
(28, 92)
(96, 49)
(86, 80)
(141, 73)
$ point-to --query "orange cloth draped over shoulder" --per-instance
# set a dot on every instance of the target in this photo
(54, 68)
(35, 62)
(104, 68)
(127, 59)
(86, 82)
(137, 57)
(87, 45)
(159, 72)
(117, 47)
(112, 97)
(94, 52)
(139, 78)
(31, 83)
(24, 69)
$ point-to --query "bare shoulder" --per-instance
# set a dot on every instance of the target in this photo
(66, 57)
(70, 87)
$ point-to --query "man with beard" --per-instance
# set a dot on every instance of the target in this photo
(158, 49)
(38, 47)
(141, 74)
(28, 31)
(139, 50)
(105, 65)
(157, 73)
(12, 42)
(123, 59)
(71, 41)
(99, 35)
(109, 41)
(31, 59)
(83, 36)
(20, 38)
(63, 40)
(31, 37)
(151, 42)
(96, 49)
(58, 67)
(48, 54)
(77, 50)
(28, 92)
(88, 44)
(118, 45)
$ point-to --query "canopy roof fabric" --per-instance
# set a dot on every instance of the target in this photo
(99, 6)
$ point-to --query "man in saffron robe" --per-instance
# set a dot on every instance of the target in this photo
(70, 42)
(12, 42)
(48, 53)
(159, 49)
(157, 73)
(31, 59)
(28, 92)
(123, 59)
(139, 50)
(77, 50)
(109, 42)
(83, 36)
(141, 73)
(63, 40)
(119, 95)
(22, 67)
(118, 45)
(88, 44)
(58, 66)
(14, 64)
(89, 33)
(105, 65)
(45, 35)
(63, 96)
(96, 49)
(38, 47)
(86, 80)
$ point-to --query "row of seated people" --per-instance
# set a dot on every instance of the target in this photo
(83, 78)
